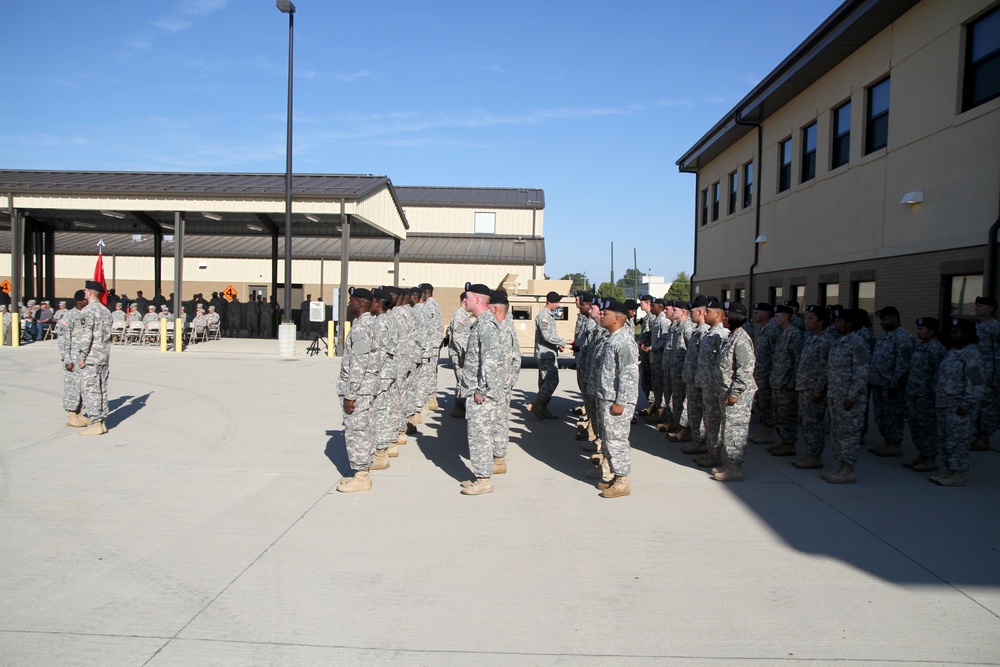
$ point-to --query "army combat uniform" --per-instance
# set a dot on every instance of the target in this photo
(458, 339)
(847, 379)
(386, 402)
(93, 346)
(617, 384)
(547, 344)
(486, 373)
(67, 328)
(785, 358)
(359, 382)
(989, 356)
(960, 386)
(695, 404)
(683, 330)
(733, 374)
(706, 381)
(764, 344)
(890, 369)
(810, 385)
(920, 393)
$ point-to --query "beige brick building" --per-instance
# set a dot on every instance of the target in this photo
(864, 170)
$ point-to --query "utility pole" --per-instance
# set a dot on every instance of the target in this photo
(612, 269)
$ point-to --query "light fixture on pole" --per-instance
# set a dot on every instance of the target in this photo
(286, 332)
(916, 197)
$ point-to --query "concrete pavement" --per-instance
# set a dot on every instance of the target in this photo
(204, 529)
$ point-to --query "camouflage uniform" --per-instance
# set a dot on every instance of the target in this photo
(657, 339)
(412, 403)
(547, 344)
(695, 405)
(234, 312)
(486, 373)
(733, 375)
(432, 346)
(764, 344)
(67, 328)
(509, 343)
(989, 354)
(119, 316)
(251, 313)
(683, 331)
(266, 315)
(151, 318)
(847, 379)
(961, 383)
(618, 383)
(890, 368)
(406, 352)
(134, 316)
(706, 380)
(668, 336)
(359, 382)
(93, 346)
(920, 392)
(596, 350)
(810, 385)
(784, 361)
(646, 376)
(458, 338)
(386, 402)
(584, 360)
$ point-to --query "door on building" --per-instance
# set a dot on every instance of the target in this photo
(253, 291)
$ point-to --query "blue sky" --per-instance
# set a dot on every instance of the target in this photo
(591, 101)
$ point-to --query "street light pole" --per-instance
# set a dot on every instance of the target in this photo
(286, 332)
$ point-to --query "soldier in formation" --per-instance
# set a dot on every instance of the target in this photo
(458, 339)
(548, 344)
(890, 371)
(785, 356)
(67, 328)
(91, 354)
(988, 332)
(733, 375)
(920, 393)
(960, 387)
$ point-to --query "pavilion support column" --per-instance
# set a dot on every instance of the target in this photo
(16, 254)
(157, 263)
(345, 254)
(178, 280)
(28, 251)
(274, 267)
(50, 263)
(396, 244)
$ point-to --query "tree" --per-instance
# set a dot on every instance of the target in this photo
(680, 288)
(579, 281)
(631, 278)
(607, 289)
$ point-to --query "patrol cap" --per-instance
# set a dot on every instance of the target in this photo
(210, 307)
(929, 323)
(700, 301)
(164, 308)
(783, 309)
(646, 297)
(887, 311)
(93, 286)
(615, 306)
(763, 305)
(631, 304)
(714, 304)
(79, 295)
(360, 293)
(478, 288)
(553, 297)
(499, 296)
(986, 301)
(586, 297)
(153, 307)
(736, 307)
(31, 302)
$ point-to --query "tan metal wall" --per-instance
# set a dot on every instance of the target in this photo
(462, 220)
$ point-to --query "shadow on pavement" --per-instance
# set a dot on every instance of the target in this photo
(445, 445)
(336, 451)
(123, 407)
(550, 441)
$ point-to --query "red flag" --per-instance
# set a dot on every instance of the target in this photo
(99, 277)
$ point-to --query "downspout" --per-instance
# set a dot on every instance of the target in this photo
(756, 233)
(991, 260)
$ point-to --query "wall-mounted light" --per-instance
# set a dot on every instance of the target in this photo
(168, 238)
(915, 197)
(84, 225)
(761, 239)
(202, 265)
(113, 214)
(255, 228)
(211, 216)
(313, 218)
(137, 237)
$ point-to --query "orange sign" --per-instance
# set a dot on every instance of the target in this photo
(230, 293)
(5, 286)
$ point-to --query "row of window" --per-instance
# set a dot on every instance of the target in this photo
(981, 84)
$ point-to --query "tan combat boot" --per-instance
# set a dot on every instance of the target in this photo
(619, 488)
(432, 402)
(360, 482)
(95, 428)
(927, 465)
(653, 417)
(477, 487)
(950, 478)
(683, 435)
(843, 475)
(712, 458)
(764, 437)
(381, 460)
(695, 448)
(499, 466)
(401, 440)
(600, 469)
(392, 451)
(418, 418)
(731, 473)
(76, 420)
(808, 462)
(784, 449)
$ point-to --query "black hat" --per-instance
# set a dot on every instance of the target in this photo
(763, 305)
(660, 302)
(478, 288)
(95, 286)
(382, 294)
(887, 311)
(415, 290)
(700, 301)
(586, 297)
(631, 304)
(680, 303)
(393, 289)
(360, 293)
(615, 306)
(553, 297)
(599, 302)
(646, 297)
(792, 302)
(79, 295)
(427, 287)
(968, 327)
(819, 311)
(783, 309)
(986, 301)
(736, 307)
(839, 312)
(499, 296)
(929, 323)
(714, 304)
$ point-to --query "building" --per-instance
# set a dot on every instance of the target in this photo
(864, 169)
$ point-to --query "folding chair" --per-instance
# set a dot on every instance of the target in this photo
(134, 334)
(118, 332)
(213, 332)
(152, 333)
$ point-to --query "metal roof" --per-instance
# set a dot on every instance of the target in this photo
(849, 27)
(461, 249)
(530, 198)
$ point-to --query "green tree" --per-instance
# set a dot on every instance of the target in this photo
(607, 289)
(631, 278)
(579, 281)
(680, 288)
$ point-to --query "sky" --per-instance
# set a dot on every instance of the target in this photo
(592, 102)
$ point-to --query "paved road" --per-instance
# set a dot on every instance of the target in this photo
(204, 529)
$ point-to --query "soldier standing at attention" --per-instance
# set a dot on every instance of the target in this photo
(91, 358)
(988, 332)
(960, 387)
(234, 312)
(548, 345)
(656, 342)
(266, 317)
(695, 408)
(484, 379)
(847, 389)
(251, 313)
(68, 327)
(435, 332)
(707, 382)
(810, 385)
(667, 335)
(499, 306)
(920, 390)
(734, 374)
(357, 388)
(584, 323)
(797, 321)
(593, 351)
(764, 342)
(582, 317)
(384, 406)
(683, 329)
(617, 392)
(458, 339)
(645, 376)
(890, 369)
(784, 362)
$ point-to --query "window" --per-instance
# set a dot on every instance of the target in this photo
(798, 293)
(716, 193)
(982, 61)
(486, 223)
(747, 184)
(863, 295)
(964, 290)
(829, 294)
(733, 193)
(841, 135)
(727, 295)
(777, 295)
(877, 127)
(704, 207)
(808, 153)
(741, 295)
(785, 165)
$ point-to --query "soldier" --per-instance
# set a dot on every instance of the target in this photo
(733, 373)
(213, 318)
(617, 391)
(847, 382)
(890, 369)
(386, 402)
(435, 332)
(667, 334)
(695, 406)
(158, 300)
(251, 313)
(797, 321)
(785, 358)
(141, 303)
(234, 314)
(548, 344)
(164, 313)
(596, 338)
(91, 357)
(920, 391)
(656, 341)
(266, 317)
(810, 385)
(358, 385)
(646, 377)
(417, 396)
(151, 318)
(988, 332)
(6, 325)
(61, 312)
(499, 306)
(767, 336)
(458, 339)
(133, 313)
(119, 315)
(66, 328)
(199, 323)
(960, 387)
(683, 329)
(706, 380)
(583, 302)
(484, 379)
